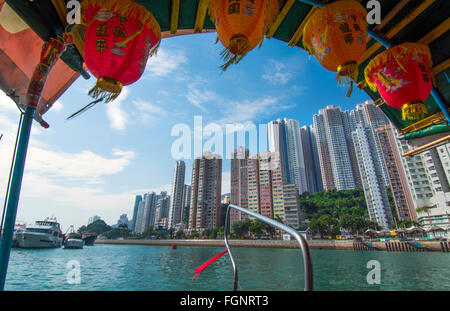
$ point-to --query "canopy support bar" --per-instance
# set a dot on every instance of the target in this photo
(14, 193)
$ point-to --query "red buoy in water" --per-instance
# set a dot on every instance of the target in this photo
(173, 246)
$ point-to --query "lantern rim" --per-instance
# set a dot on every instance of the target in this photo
(130, 8)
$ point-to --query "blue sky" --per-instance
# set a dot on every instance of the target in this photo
(96, 163)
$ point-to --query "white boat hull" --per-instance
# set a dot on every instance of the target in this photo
(74, 243)
(37, 240)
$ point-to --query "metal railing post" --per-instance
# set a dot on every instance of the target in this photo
(307, 262)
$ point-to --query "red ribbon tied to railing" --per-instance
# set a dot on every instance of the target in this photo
(206, 264)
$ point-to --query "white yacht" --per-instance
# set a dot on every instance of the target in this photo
(43, 234)
(17, 228)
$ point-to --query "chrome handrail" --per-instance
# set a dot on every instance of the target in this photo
(307, 263)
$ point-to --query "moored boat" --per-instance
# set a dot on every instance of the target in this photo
(89, 238)
(73, 240)
(43, 234)
(17, 228)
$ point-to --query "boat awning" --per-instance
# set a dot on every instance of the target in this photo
(423, 21)
(20, 49)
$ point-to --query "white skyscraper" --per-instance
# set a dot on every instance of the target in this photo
(296, 161)
(371, 170)
(337, 167)
(176, 199)
(285, 139)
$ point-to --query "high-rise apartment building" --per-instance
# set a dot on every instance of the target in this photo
(285, 139)
(206, 184)
(323, 152)
(278, 143)
(428, 175)
(295, 154)
(396, 175)
(268, 195)
(186, 199)
(292, 213)
(311, 158)
(371, 172)
(123, 220)
(139, 217)
(239, 182)
(176, 199)
(332, 144)
(253, 183)
(135, 212)
(146, 215)
(162, 211)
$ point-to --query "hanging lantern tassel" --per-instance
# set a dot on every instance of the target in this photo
(106, 88)
(414, 110)
(241, 26)
(347, 73)
(235, 51)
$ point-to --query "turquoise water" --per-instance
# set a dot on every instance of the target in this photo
(133, 267)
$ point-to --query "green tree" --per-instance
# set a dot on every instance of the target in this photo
(117, 233)
(256, 227)
(149, 232)
(180, 234)
(241, 228)
(98, 226)
(162, 234)
(194, 234)
(170, 232)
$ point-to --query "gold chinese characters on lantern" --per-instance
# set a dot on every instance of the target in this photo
(336, 35)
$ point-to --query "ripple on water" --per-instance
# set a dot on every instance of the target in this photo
(134, 267)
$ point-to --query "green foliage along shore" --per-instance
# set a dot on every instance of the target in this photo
(331, 211)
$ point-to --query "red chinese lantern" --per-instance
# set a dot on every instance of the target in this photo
(402, 76)
(241, 25)
(120, 36)
(336, 35)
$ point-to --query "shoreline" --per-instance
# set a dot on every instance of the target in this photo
(434, 246)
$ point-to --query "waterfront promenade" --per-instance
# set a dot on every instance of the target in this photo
(313, 244)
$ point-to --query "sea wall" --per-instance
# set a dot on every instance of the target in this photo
(313, 244)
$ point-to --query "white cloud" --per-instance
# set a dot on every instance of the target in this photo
(118, 118)
(148, 113)
(165, 62)
(277, 73)
(68, 185)
(6, 103)
(57, 106)
(198, 97)
(250, 110)
(84, 166)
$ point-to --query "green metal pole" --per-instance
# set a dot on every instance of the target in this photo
(14, 194)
